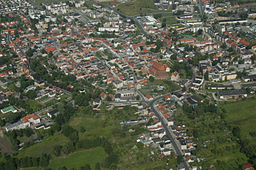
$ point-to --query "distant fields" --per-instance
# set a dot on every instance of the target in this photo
(137, 7)
(79, 159)
(46, 146)
(243, 114)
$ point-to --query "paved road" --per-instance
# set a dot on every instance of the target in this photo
(141, 27)
(201, 8)
(83, 17)
(169, 133)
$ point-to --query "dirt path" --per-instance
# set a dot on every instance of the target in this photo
(5, 145)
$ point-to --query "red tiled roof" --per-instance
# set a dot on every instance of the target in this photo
(102, 94)
(11, 45)
(248, 165)
(158, 66)
(50, 49)
(148, 96)
(33, 116)
(245, 42)
(143, 70)
(70, 86)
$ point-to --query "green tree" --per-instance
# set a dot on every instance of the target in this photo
(206, 76)
(81, 99)
(137, 97)
(179, 159)
(31, 94)
(71, 133)
(44, 160)
(57, 150)
(87, 167)
(199, 32)
(97, 166)
(236, 132)
(151, 79)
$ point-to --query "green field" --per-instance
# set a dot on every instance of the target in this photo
(33, 106)
(243, 114)
(137, 7)
(91, 124)
(152, 87)
(104, 124)
(79, 159)
(169, 20)
(32, 168)
(46, 146)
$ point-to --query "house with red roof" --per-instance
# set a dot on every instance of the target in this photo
(175, 76)
(187, 40)
(4, 75)
(70, 86)
(103, 95)
(248, 166)
(112, 97)
(158, 70)
(32, 118)
(149, 97)
(254, 48)
(3, 67)
(50, 49)
(180, 60)
(245, 42)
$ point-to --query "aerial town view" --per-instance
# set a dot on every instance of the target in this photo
(127, 84)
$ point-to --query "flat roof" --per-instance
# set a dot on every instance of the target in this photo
(8, 109)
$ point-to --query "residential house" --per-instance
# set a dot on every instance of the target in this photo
(227, 94)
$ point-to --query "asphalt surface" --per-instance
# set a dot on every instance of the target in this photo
(169, 133)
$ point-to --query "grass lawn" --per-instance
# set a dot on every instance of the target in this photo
(152, 86)
(34, 105)
(137, 7)
(243, 114)
(94, 125)
(64, 97)
(170, 19)
(46, 146)
(80, 158)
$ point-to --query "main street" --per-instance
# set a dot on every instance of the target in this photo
(168, 130)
